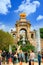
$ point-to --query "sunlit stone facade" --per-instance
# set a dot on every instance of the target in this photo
(23, 28)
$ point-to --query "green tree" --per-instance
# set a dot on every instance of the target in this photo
(41, 32)
(27, 46)
(6, 39)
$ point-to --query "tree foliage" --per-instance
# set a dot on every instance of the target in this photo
(6, 39)
(27, 46)
(41, 32)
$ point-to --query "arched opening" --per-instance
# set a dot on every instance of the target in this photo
(32, 36)
(14, 35)
(23, 32)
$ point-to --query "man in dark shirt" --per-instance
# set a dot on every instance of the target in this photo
(39, 58)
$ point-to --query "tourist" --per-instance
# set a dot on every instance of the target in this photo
(20, 57)
(15, 57)
(26, 57)
(39, 58)
(10, 59)
(4, 56)
(31, 57)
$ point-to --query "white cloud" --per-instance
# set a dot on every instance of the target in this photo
(28, 7)
(4, 5)
(36, 27)
(40, 17)
(5, 27)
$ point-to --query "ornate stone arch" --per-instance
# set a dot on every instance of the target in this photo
(23, 32)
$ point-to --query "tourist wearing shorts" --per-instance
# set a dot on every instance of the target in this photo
(32, 57)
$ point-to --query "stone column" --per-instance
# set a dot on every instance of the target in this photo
(38, 40)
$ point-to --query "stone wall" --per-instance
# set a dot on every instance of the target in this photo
(42, 44)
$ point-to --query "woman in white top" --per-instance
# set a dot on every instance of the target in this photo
(32, 57)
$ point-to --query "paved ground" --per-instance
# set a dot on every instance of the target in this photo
(28, 63)
(35, 63)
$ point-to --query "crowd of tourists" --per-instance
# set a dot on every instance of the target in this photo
(20, 57)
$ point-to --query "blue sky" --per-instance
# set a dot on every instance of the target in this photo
(10, 10)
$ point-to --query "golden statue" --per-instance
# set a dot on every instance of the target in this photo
(23, 15)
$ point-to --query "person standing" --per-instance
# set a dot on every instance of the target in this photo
(20, 57)
(39, 58)
(26, 57)
(32, 57)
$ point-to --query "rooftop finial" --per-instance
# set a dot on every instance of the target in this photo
(23, 15)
